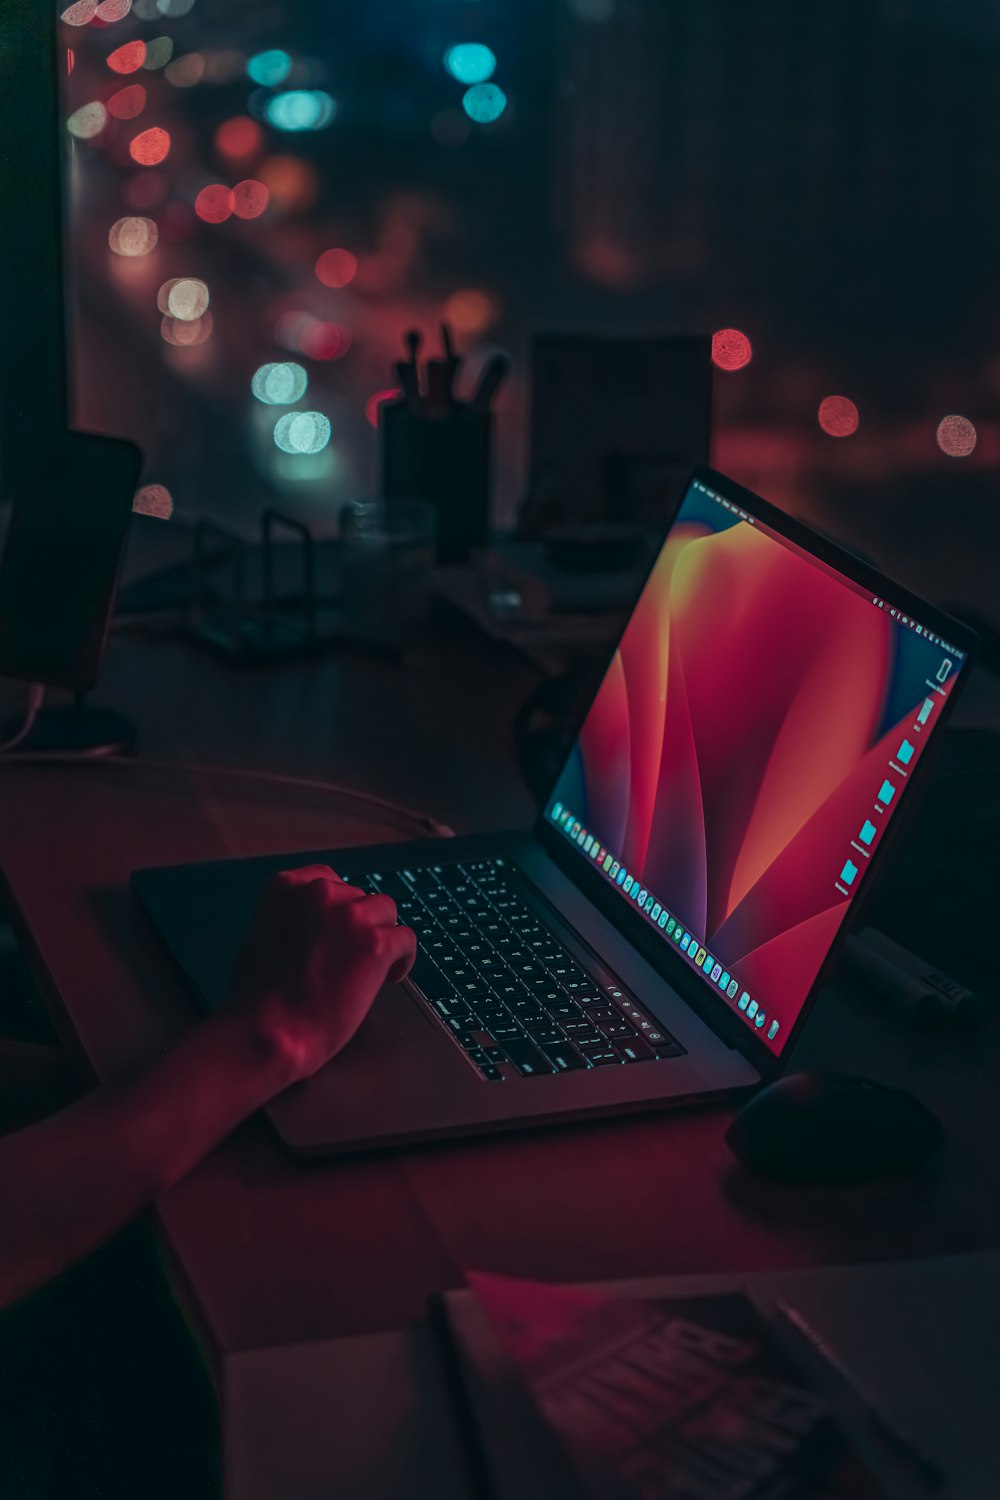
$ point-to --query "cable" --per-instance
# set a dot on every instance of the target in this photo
(32, 708)
(426, 825)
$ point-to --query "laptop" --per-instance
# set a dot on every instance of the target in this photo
(660, 934)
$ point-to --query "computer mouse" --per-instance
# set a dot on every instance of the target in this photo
(829, 1127)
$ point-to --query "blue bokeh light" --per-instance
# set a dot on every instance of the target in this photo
(279, 384)
(300, 109)
(484, 103)
(302, 432)
(470, 62)
(269, 68)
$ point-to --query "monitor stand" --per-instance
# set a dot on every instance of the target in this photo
(76, 728)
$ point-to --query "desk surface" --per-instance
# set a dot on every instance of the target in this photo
(275, 1251)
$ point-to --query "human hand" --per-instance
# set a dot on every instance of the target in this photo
(312, 962)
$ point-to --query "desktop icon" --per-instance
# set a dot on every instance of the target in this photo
(679, 933)
(752, 1009)
(641, 898)
(686, 941)
(723, 980)
(582, 837)
(731, 991)
(942, 672)
(699, 957)
(607, 863)
(557, 812)
(886, 792)
(772, 1031)
(868, 831)
(926, 711)
(905, 753)
(656, 912)
(671, 925)
(709, 963)
(614, 870)
(576, 829)
(622, 875)
(629, 882)
(716, 971)
(662, 919)
(649, 903)
(760, 1018)
(744, 1000)
(849, 873)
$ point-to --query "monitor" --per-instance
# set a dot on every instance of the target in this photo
(750, 746)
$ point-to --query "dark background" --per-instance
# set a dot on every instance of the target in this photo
(821, 176)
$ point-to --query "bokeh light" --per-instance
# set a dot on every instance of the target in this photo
(150, 147)
(127, 59)
(470, 62)
(70, 60)
(88, 121)
(323, 341)
(158, 52)
(470, 311)
(250, 198)
(291, 182)
(269, 68)
(279, 384)
(154, 500)
(300, 109)
(185, 333)
(302, 432)
(110, 11)
(838, 416)
(184, 72)
(484, 103)
(239, 139)
(133, 236)
(128, 102)
(336, 268)
(374, 402)
(80, 14)
(184, 297)
(956, 436)
(214, 203)
(731, 349)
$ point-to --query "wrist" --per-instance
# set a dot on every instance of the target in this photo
(261, 1050)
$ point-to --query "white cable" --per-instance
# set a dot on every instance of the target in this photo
(32, 708)
(422, 821)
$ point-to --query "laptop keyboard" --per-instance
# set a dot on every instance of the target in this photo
(504, 985)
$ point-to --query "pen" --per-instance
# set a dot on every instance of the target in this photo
(492, 378)
(893, 1436)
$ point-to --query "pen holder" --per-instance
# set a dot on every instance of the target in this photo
(445, 461)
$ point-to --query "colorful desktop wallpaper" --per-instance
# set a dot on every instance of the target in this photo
(739, 742)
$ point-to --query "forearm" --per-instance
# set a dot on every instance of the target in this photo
(71, 1181)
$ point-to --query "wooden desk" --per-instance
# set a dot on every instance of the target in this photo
(275, 1251)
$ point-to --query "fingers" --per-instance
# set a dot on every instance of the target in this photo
(401, 950)
(377, 911)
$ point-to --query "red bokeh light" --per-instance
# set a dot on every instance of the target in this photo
(336, 268)
(214, 203)
(324, 341)
(239, 139)
(250, 198)
(150, 147)
(128, 58)
(956, 436)
(70, 60)
(375, 401)
(838, 416)
(731, 350)
(128, 102)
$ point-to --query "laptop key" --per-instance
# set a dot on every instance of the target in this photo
(615, 1028)
(635, 1050)
(604, 1058)
(563, 1057)
(491, 1072)
(429, 980)
(527, 1058)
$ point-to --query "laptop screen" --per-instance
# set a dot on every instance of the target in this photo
(751, 741)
